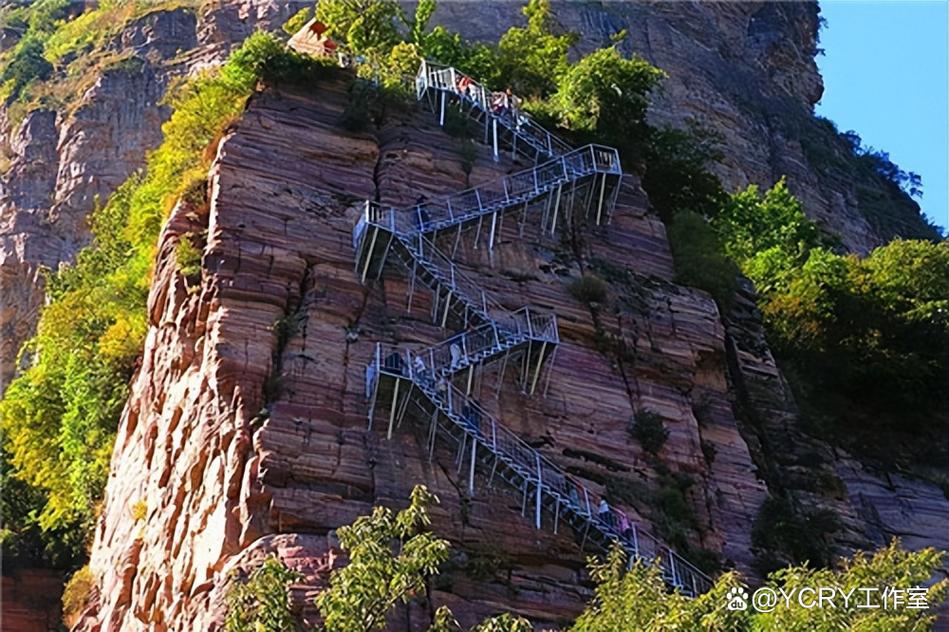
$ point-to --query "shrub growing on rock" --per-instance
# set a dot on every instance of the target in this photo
(649, 430)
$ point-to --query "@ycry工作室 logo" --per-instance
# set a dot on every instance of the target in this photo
(737, 598)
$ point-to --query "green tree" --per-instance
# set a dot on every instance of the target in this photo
(699, 257)
(639, 600)
(390, 559)
(27, 65)
(606, 95)
(751, 223)
(423, 13)
(59, 416)
(364, 26)
(297, 21)
(534, 57)
(262, 604)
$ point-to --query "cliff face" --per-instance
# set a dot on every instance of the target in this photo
(239, 447)
(240, 440)
(62, 160)
(744, 73)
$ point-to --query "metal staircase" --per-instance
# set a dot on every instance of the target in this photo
(561, 180)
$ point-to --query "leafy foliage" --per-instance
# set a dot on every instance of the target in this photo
(606, 95)
(638, 599)
(873, 332)
(391, 559)
(699, 257)
(261, 604)
(676, 177)
(589, 290)
(533, 58)
(187, 257)
(297, 21)
(649, 430)
(376, 579)
(76, 594)
(785, 535)
(364, 26)
(27, 65)
(59, 416)
(752, 223)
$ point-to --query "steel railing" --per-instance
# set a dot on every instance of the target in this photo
(431, 368)
(445, 79)
(511, 190)
(571, 495)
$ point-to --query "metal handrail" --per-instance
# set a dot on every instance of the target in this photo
(510, 190)
(501, 327)
(445, 78)
(466, 413)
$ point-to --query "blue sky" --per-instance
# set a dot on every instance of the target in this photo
(886, 76)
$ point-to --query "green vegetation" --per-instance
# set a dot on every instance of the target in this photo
(361, 594)
(784, 535)
(589, 290)
(532, 59)
(649, 430)
(261, 603)
(61, 53)
(77, 593)
(59, 416)
(605, 95)
(884, 191)
(699, 257)
(392, 560)
(638, 600)
(297, 21)
(187, 257)
(867, 340)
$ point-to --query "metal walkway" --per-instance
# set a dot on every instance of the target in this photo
(564, 185)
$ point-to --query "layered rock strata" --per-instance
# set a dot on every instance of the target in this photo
(242, 442)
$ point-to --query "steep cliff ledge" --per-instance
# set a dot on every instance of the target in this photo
(62, 160)
(743, 73)
(246, 429)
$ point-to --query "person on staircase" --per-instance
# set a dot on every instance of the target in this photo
(605, 514)
(464, 86)
(455, 351)
(472, 418)
(625, 526)
(419, 369)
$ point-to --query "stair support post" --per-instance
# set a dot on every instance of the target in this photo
(599, 206)
(494, 137)
(539, 492)
(494, 224)
(395, 399)
(372, 246)
(471, 468)
(540, 365)
(553, 224)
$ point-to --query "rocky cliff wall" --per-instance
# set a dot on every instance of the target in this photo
(62, 160)
(238, 447)
(744, 73)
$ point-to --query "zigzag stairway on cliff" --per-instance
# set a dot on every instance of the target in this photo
(564, 186)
